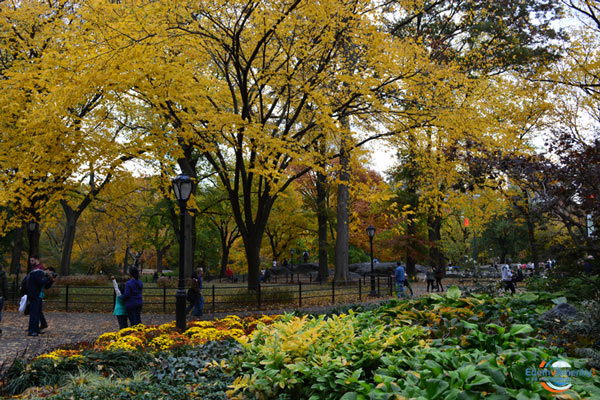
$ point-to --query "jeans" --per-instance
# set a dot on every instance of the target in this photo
(438, 283)
(1, 305)
(122, 320)
(35, 309)
(400, 289)
(135, 315)
(197, 305)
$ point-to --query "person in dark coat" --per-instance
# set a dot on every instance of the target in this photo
(194, 295)
(37, 280)
(439, 275)
(133, 297)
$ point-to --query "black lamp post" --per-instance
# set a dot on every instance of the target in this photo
(292, 260)
(182, 186)
(31, 228)
(371, 233)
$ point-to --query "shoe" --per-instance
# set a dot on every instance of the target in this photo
(41, 333)
(44, 326)
(32, 334)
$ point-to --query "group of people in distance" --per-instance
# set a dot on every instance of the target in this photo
(433, 277)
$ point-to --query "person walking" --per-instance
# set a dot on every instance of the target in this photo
(400, 277)
(430, 278)
(439, 275)
(133, 297)
(3, 291)
(120, 311)
(193, 296)
(507, 279)
(37, 279)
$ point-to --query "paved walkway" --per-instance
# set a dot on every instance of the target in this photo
(63, 328)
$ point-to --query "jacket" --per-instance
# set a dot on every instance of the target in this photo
(36, 281)
(119, 304)
(133, 293)
(399, 274)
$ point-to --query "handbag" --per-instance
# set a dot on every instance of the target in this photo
(23, 304)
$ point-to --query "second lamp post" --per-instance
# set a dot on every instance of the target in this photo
(182, 186)
(371, 234)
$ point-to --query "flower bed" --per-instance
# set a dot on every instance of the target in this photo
(436, 347)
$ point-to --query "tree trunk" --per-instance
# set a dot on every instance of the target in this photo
(68, 239)
(322, 225)
(159, 258)
(342, 238)
(411, 232)
(532, 241)
(34, 244)
(224, 261)
(15, 261)
(435, 254)
(252, 244)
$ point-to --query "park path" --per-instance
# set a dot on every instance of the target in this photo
(63, 328)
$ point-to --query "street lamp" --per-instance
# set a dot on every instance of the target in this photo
(371, 233)
(292, 260)
(31, 228)
(182, 186)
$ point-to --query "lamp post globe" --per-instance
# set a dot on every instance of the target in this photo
(182, 187)
(371, 234)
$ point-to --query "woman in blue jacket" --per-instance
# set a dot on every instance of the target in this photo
(133, 297)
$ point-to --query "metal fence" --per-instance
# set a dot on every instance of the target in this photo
(280, 293)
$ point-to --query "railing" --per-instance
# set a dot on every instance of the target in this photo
(218, 298)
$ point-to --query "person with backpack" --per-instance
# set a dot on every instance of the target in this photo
(193, 296)
(37, 280)
(133, 297)
(3, 291)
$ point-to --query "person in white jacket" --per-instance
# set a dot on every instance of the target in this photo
(507, 279)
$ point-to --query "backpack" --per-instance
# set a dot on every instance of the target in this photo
(191, 295)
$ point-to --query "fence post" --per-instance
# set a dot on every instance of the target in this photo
(259, 296)
(359, 291)
(67, 298)
(391, 285)
(378, 292)
(333, 291)
(164, 299)
(300, 294)
(213, 299)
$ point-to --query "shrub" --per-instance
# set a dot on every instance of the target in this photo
(165, 282)
(82, 280)
(268, 294)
